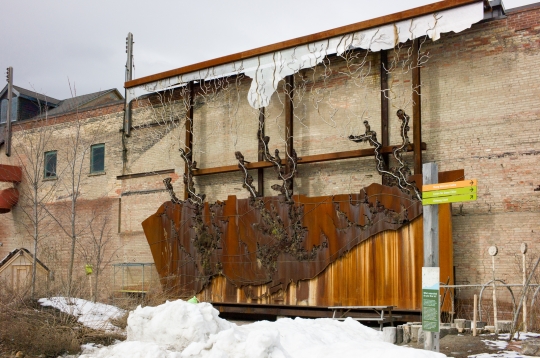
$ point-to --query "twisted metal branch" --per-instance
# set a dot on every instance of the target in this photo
(286, 172)
(248, 179)
(394, 176)
(193, 197)
(169, 187)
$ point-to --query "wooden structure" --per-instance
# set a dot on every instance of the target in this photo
(16, 269)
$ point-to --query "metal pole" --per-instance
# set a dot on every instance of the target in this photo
(430, 175)
(524, 254)
(129, 77)
(475, 315)
(494, 294)
(8, 117)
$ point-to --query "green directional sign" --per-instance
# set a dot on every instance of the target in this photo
(449, 192)
(449, 199)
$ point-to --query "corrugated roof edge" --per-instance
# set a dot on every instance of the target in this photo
(363, 25)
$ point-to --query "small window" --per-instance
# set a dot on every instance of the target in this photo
(50, 165)
(97, 158)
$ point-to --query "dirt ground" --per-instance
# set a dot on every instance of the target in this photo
(464, 345)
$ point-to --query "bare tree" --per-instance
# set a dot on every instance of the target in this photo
(31, 141)
(96, 248)
(77, 141)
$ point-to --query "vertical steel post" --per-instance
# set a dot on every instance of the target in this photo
(8, 117)
(524, 254)
(495, 323)
(385, 134)
(417, 109)
(190, 92)
(475, 315)
(430, 175)
(289, 116)
(129, 77)
(260, 155)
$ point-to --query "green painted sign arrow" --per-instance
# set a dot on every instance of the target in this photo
(449, 192)
(449, 199)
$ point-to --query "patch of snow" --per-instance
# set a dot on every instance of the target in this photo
(521, 335)
(495, 344)
(503, 354)
(181, 329)
(90, 314)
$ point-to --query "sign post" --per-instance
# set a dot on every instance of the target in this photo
(430, 175)
(434, 193)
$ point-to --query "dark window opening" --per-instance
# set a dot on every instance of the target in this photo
(50, 165)
(97, 158)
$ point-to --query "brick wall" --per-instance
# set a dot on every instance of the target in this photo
(480, 112)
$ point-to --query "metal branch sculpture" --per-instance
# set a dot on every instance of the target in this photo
(193, 197)
(248, 179)
(404, 171)
(286, 172)
(394, 176)
(169, 187)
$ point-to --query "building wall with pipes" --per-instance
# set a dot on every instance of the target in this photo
(480, 112)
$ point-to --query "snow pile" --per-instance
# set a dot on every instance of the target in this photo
(90, 314)
(179, 329)
(175, 324)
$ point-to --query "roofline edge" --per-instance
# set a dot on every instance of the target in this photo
(343, 30)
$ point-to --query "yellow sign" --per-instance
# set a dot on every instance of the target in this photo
(88, 269)
(449, 185)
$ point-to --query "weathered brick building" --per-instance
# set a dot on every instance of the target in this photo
(479, 112)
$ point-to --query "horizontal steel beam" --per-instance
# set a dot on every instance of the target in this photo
(317, 158)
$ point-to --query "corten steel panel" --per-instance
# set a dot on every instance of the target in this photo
(8, 198)
(358, 249)
(10, 173)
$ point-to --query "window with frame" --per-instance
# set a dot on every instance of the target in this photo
(50, 165)
(97, 158)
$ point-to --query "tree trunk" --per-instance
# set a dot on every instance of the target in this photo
(34, 261)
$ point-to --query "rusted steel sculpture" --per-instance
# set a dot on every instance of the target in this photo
(394, 176)
(268, 241)
(273, 241)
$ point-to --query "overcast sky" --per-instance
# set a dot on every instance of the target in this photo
(49, 41)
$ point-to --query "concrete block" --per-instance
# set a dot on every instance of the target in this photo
(406, 333)
(480, 324)
(504, 326)
(389, 334)
(460, 324)
(414, 332)
(445, 331)
(399, 335)
(490, 329)
(421, 336)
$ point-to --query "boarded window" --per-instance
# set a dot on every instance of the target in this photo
(50, 165)
(97, 158)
